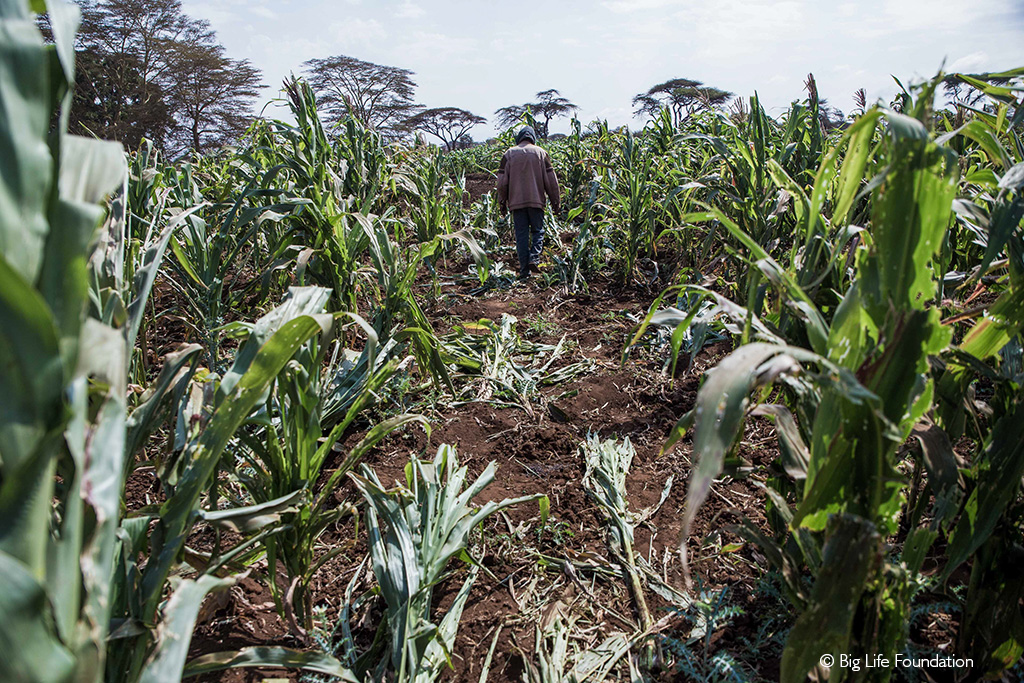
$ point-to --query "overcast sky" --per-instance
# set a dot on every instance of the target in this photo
(481, 55)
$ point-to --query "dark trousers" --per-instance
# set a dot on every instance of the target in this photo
(529, 227)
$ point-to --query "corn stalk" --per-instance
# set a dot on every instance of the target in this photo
(414, 531)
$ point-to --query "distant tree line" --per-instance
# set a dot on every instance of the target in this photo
(383, 97)
(147, 70)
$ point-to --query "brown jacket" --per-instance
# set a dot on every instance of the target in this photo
(525, 176)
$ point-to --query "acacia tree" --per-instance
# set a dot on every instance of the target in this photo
(129, 43)
(147, 29)
(132, 79)
(682, 96)
(448, 124)
(112, 100)
(380, 97)
(549, 105)
(211, 96)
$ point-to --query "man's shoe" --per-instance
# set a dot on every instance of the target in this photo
(535, 268)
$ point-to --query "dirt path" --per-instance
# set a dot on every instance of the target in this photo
(530, 569)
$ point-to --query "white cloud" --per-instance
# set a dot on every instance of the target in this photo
(972, 63)
(434, 46)
(409, 10)
(486, 56)
(630, 6)
(354, 32)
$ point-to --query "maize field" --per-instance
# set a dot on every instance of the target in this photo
(284, 412)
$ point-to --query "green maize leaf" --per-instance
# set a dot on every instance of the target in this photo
(993, 627)
(372, 339)
(270, 657)
(679, 429)
(1013, 179)
(795, 454)
(1004, 221)
(849, 557)
(173, 377)
(103, 356)
(25, 504)
(1001, 93)
(916, 546)
(671, 317)
(174, 634)
(982, 176)
(802, 203)
(861, 135)
(475, 250)
(103, 460)
(145, 276)
(817, 331)
(544, 505)
(64, 20)
(90, 170)
(186, 264)
(30, 651)
(721, 411)
(300, 301)
(414, 531)
(852, 445)
(910, 213)
(253, 517)
(442, 645)
(26, 165)
(849, 338)
(1001, 323)
(19, 9)
(1000, 470)
(905, 128)
(372, 438)
(898, 373)
(64, 560)
(33, 377)
(980, 133)
(176, 513)
(1009, 73)
(132, 542)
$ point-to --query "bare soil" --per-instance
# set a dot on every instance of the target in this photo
(536, 453)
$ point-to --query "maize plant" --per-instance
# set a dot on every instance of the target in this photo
(414, 531)
(76, 605)
(853, 398)
(284, 453)
(57, 561)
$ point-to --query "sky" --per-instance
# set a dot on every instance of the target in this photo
(482, 55)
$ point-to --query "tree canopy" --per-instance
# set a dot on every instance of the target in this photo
(448, 124)
(549, 105)
(210, 96)
(682, 96)
(145, 69)
(379, 96)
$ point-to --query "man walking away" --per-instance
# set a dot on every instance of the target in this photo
(525, 176)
